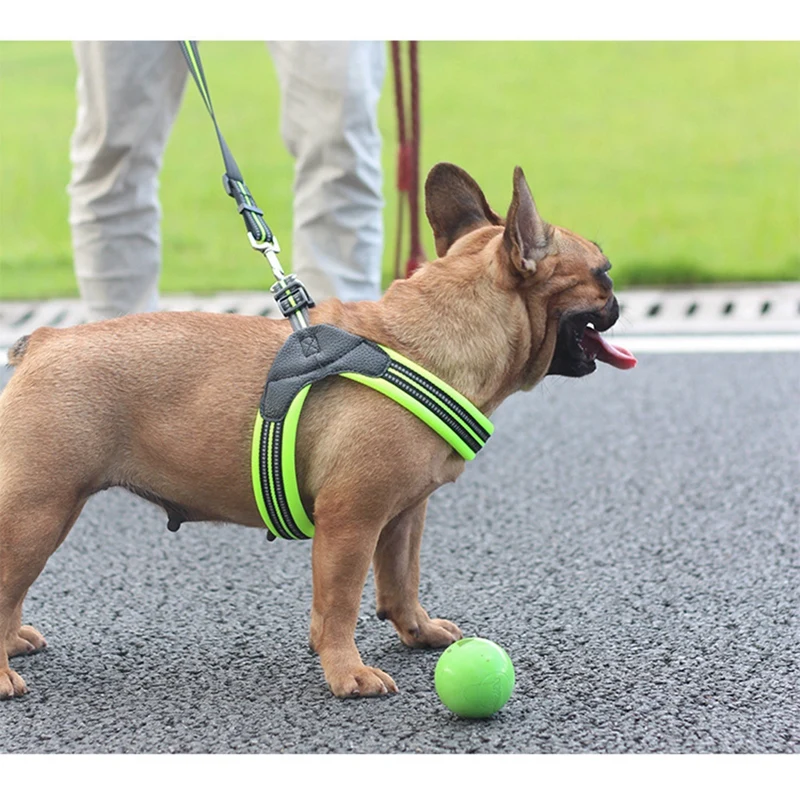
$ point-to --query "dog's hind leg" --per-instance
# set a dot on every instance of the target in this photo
(22, 640)
(29, 533)
(396, 566)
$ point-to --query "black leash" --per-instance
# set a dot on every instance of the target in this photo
(289, 293)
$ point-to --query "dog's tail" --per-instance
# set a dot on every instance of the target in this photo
(17, 350)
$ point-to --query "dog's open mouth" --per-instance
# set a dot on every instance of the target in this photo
(595, 346)
(579, 345)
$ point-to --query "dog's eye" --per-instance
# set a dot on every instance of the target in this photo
(604, 267)
(600, 273)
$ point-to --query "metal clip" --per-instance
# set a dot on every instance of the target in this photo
(264, 246)
(269, 249)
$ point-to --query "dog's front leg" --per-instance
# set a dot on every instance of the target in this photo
(397, 583)
(340, 557)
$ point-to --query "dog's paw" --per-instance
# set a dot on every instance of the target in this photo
(27, 640)
(11, 684)
(417, 629)
(361, 682)
(434, 633)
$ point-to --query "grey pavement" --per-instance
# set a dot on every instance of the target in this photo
(631, 539)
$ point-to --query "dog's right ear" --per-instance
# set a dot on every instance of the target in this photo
(527, 236)
(454, 205)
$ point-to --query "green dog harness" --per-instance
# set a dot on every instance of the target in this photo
(317, 352)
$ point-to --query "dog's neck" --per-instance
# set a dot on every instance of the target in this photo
(472, 334)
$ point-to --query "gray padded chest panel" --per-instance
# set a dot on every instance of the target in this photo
(313, 353)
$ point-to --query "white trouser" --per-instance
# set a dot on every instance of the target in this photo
(129, 94)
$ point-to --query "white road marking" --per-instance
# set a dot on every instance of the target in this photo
(711, 343)
(698, 343)
(751, 318)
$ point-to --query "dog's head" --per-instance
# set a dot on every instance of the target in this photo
(560, 277)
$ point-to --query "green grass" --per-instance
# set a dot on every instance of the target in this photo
(680, 158)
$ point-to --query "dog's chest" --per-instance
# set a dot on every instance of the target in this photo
(320, 352)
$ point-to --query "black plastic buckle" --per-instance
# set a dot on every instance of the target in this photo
(291, 296)
(244, 200)
(246, 206)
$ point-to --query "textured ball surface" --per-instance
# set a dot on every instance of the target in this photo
(474, 677)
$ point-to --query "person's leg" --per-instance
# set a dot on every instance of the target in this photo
(329, 99)
(128, 96)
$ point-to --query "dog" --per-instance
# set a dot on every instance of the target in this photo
(163, 405)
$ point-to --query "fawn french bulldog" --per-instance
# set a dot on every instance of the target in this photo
(164, 404)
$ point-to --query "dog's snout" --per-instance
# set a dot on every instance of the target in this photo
(608, 315)
(613, 312)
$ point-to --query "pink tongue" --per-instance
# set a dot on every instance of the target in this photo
(595, 345)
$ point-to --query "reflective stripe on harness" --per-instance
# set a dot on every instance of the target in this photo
(318, 352)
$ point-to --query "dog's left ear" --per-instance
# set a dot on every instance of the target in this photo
(454, 205)
(527, 236)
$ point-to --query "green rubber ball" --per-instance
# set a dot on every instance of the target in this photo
(474, 677)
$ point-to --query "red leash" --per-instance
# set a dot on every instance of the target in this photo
(407, 159)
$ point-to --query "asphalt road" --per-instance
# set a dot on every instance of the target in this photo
(631, 539)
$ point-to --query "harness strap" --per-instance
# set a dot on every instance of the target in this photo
(323, 350)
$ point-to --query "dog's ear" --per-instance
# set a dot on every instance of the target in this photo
(527, 236)
(454, 205)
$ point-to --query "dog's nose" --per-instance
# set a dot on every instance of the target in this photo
(613, 311)
(609, 314)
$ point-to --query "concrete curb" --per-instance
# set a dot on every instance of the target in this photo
(721, 310)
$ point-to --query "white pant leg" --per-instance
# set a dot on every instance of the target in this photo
(329, 99)
(128, 96)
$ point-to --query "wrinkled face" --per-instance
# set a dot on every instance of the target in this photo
(561, 277)
(584, 310)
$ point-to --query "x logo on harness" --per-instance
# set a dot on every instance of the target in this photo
(308, 342)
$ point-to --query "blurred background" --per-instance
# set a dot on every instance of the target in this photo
(682, 159)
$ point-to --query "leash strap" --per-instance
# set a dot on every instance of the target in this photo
(232, 180)
(321, 351)
(407, 157)
(290, 294)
